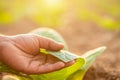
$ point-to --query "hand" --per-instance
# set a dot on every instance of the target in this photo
(21, 53)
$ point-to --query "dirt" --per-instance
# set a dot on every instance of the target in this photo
(100, 73)
(81, 37)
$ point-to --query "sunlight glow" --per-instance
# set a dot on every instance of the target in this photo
(47, 12)
(53, 3)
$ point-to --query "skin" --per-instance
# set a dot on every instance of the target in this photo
(21, 53)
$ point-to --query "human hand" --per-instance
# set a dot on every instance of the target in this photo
(21, 53)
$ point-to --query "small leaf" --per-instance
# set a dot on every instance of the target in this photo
(64, 55)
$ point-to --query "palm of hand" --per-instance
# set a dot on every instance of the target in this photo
(22, 54)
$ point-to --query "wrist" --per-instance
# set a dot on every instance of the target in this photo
(3, 39)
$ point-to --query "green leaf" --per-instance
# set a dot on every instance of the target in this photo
(61, 74)
(63, 55)
(90, 58)
(5, 68)
(52, 34)
(91, 55)
(14, 75)
(64, 73)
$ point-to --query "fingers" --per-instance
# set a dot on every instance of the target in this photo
(70, 63)
(52, 45)
(49, 44)
(51, 67)
(41, 69)
(46, 68)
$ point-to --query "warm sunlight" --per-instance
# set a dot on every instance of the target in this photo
(53, 3)
(48, 12)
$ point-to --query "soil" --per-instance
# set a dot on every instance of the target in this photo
(81, 37)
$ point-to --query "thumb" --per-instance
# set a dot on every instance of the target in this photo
(49, 44)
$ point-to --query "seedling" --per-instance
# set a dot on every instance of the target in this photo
(74, 72)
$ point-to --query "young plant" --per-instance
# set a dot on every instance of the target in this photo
(74, 72)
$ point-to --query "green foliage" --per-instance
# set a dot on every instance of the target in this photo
(11, 11)
(64, 55)
(61, 74)
(64, 73)
(74, 72)
(103, 13)
(50, 33)
(90, 57)
(51, 13)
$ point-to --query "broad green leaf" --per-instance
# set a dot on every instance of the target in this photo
(61, 74)
(90, 58)
(91, 55)
(64, 73)
(52, 34)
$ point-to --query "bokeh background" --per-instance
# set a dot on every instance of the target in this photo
(84, 24)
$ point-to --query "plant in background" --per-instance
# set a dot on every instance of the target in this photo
(11, 11)
(53, 13)
(74, 72)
